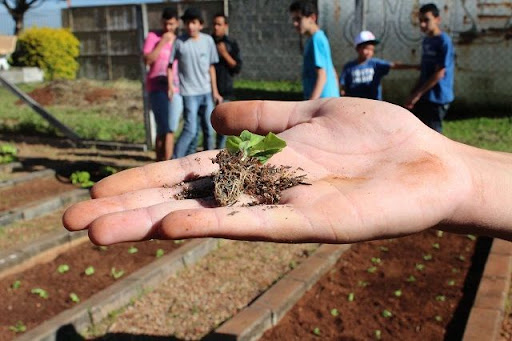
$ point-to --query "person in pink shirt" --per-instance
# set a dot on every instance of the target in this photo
(157, 50)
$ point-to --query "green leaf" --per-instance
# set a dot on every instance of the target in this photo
(254, 145)
(89, 270)
(63, 268)
(316, 331)
(16, 284)
(335, 312)
(133, 250)
(386, 313)
(74, 297)
(116, 274)
(41, 292)
(159, 253)
(18, 328)
(351, 297)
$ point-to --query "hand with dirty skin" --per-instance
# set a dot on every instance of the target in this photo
(375, 172)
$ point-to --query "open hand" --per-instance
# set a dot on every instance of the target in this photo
(375, 172)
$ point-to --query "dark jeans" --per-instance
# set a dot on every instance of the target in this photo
(432, 114)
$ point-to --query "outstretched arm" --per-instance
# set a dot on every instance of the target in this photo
(369, 180)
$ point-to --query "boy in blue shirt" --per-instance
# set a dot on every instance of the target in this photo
(433, 93)
(361, 77)
(318, 74)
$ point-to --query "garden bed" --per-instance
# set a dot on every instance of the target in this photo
(421, 286)
(41, 292)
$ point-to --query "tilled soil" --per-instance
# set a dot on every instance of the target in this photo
(32, 191)
(506, 326)
(195, 301)
(21, 305)
(370, 294)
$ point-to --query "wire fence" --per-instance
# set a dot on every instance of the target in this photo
(39, 18)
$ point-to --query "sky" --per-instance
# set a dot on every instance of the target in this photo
(48, 14)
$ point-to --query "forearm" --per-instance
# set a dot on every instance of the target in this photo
(430, 83)
(213, 80)
(321, 79)
(150, 58)
(487, 209)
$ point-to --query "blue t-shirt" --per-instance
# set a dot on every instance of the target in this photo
(317, 54)
(438, 51)
(363, 80)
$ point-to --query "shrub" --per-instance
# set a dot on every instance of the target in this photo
(53, 50)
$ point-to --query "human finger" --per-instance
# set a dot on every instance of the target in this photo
(138, 224)
(158, 174)
(261, 117)
(74, 218)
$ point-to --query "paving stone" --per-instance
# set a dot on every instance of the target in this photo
(247, 325)
(502, 247)
(483, 324)
(498, 266)
(281, 297)
(311, 270)
(492, 294)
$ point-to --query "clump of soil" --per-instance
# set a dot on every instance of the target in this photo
(238, 176)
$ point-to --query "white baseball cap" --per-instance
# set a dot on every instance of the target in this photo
(365, 37)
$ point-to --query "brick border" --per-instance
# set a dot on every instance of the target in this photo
(43, 206)
(271, 306)
(46, 248)
(118, 295)
(487, 313)
(31, 176)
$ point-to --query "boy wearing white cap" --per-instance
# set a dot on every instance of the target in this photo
(361, 77)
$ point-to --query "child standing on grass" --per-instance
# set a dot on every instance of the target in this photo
(361, 77)
(431, 97)
(157, 49)
(196, 55)
(318, 73)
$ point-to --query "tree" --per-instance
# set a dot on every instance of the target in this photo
(17, 10)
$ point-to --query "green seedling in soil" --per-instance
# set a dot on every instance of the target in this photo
(471, 237)
(40, 292)
(89, 271)
(116, 273)
(427, 257)
(292, 264)
(19, 327)
(107, 171)
(74, 297)
(351, 297)
(63, 268)
(439, 234)
(8, 153)
(440, 298)
(397, 293)
(372, 269)
(159, 253)
(254, 145)
(462, 258)
(436, 246)
(438, 318)
(316, 331)
(103, 248)
(386, 313)
(81, 178)
(16, 284)
(376, 260)
(411, 279)
(420, 267)
(451, 282)
(384, 249)
(133, 250)
(363, 284)
(378, 334)
(455, 271)
(335, 312)
(179, 241)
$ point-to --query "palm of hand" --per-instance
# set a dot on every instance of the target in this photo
(375, 172)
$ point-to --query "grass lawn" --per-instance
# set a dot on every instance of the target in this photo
(113, 111)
